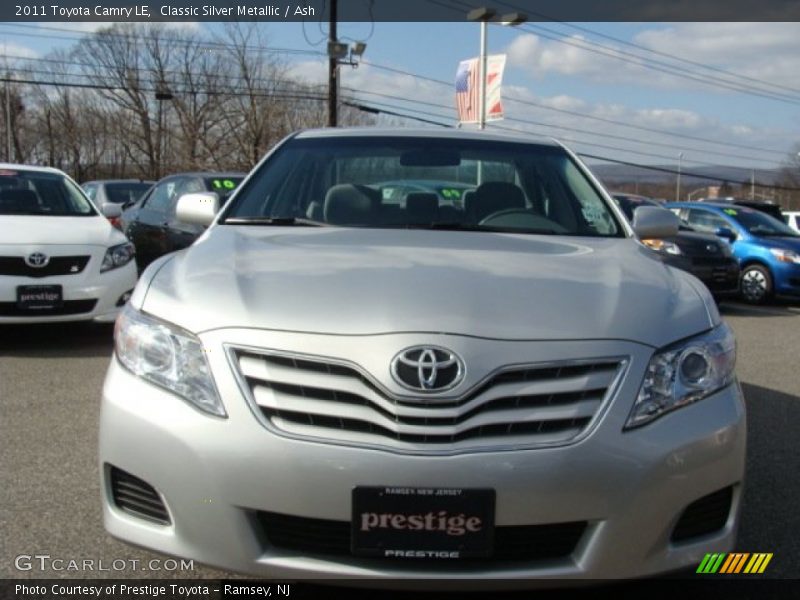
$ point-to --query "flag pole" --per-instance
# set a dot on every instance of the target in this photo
(482, 77)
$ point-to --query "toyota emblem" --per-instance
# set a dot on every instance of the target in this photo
(37, 260)
(427, 369)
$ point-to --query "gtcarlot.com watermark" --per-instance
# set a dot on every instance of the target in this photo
(45, 562)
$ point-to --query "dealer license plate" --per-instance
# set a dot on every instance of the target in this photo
(428, 523)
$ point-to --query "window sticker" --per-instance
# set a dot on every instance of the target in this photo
(223, 184)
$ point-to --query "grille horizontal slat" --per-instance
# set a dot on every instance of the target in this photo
(517, 542)
(324, 399)
(273, 401)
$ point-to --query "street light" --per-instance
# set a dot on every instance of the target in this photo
(484, 15)
(678, 182)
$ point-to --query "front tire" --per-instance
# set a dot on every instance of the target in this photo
(756, 284)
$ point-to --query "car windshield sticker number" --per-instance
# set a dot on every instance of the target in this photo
(730, 211)
(451, 194)
(223, 184)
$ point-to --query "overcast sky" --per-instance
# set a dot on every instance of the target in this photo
(574, 69)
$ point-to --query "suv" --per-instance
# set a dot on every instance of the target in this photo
(767, 249)
(330, 384)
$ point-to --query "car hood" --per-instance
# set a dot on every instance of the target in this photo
(784, 242)
(39, 230)
(361, 281)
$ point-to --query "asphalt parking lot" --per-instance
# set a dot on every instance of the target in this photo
(50, 383)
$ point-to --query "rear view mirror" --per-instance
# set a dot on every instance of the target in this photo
(198, 209)
(652, 222)
(724, 232)
(430, 158)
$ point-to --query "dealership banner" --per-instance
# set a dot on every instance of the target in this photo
(468, 88)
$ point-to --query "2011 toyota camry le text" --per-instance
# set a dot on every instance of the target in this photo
(420, 356)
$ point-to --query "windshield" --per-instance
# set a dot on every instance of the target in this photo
(126, 193)
(408, 182)
(759, 223)
(41, 193)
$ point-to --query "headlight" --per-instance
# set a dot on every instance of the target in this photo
(167, 356)
(662, 246)
(786, 256)
(685, 373)
(117, 256)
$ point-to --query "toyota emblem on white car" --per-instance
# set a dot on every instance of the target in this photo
(427, 369)
(37, 260)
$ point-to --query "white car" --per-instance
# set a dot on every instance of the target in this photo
(792, 219)
(60, 258)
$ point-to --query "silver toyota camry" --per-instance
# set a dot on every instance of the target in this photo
(416, 356)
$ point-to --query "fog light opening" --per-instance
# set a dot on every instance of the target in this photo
(123, 300)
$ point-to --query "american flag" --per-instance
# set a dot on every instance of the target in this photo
(467, 102)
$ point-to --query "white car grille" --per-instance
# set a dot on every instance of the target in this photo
(513, 407)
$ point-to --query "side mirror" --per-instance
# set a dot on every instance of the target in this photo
(111, 210)
(728, 234)
(198, 208)
(652, 222)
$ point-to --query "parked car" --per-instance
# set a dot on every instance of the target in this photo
(773, 210)
(792, 219)
(767, 249)
(521, 392)
(60, 259)
(151, 224)
(704, 255)
(116, 191)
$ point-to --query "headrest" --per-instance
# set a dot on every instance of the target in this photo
(493, 196)
(349, 204)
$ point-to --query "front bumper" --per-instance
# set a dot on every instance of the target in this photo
(88, 296)
(215, 475)
(720, 275)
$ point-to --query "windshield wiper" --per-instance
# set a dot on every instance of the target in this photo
(457, 226)
(285, 221)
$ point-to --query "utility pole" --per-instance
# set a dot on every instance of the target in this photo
(752, 184)
(678, 182)
(8, 118)
(333, 72)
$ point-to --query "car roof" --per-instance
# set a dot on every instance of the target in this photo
(106, 181)
(418, 132)
(207, 174)
(32, 168)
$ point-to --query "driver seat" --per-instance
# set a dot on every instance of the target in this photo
(493, 196)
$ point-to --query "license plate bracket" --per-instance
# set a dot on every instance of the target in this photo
(427, 523)
(39, 297)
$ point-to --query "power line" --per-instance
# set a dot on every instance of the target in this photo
(652, 64)
(573, 113)
(508, 98)
(586, 132)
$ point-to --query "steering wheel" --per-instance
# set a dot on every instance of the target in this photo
(521, 218)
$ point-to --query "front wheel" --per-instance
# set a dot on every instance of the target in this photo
(756, 285)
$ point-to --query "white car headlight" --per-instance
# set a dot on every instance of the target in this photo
(786, 256)
(167, 356)
(662, 246)
(117, 256)
(684, 373)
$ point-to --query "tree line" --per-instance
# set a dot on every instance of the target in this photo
(146, 100)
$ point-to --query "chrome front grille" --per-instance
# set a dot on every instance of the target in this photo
(519, 406)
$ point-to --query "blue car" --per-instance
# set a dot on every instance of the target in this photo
(767, 249)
